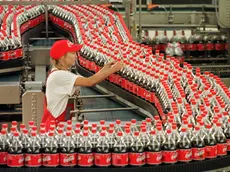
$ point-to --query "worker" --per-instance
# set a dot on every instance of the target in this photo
(61, 83)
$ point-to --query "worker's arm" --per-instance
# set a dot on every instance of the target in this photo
(106, 71)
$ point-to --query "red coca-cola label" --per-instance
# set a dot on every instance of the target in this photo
(3, 157)
(222, 149)
(68, 159)
(163, 47)
(211, 151)
(120, 159)
(200, 47)
(191, 47)
(18, 53)
(123, 82)
(219, 47)
(157, 47)
(153, 158)
(12, 54)
(50, 160)
(33, 160)
(137, 158)
(184, 155)
(140, 91)
(210, 46)
(226, 46)
(85, 160)
(102, 159)
(183, 46)
(148, 95)
(198, 154)
(15, 160)
(5, 55)
(135, 88)
(169, 156)
(24, 27)
(228, 144)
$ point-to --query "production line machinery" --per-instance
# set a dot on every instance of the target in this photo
(79, 23)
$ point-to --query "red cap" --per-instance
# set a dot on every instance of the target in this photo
(61, 47)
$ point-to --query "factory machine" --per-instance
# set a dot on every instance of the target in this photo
(151, 84)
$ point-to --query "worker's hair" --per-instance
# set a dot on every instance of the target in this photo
(55, 63)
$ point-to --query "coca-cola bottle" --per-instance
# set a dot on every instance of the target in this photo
(209, 45)
(128, 138)
(85, 151)
(144, 136)
(94, 137)
(137, 152)
(156, 43)
(221, 141)
(191, 46)
(227, 134)
(111, 137)
(5, 127)
(42, 139)
(51, 154)
(198, 145)
(153, 151)
(133, 126)
(15, 156)
(3, 147)
(184, 147)
(120, 156)
(102, 156)
(24, 139)
(118, 126)
(33, 157)
(59, 138)
(31, 124)
(68, 152)
(169, 149)
(210, 144)
(200, 46)
(77, 138)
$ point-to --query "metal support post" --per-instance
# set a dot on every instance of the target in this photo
(140, 26)
(47, 21)
(127, 13)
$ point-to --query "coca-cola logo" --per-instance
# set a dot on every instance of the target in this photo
(21, 159)
(159, 156)
(4, 159)
(225, 148)
(188, 155)
(28, 158)
(108, 160)
(68, 159)
(90, 159)
(141, 158)
(228, 142)
(199, 153)
(47, 158)
(174, 155)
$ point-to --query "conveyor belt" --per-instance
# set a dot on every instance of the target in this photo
(105, 103)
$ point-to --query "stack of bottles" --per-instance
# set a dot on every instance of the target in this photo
(194, 46)
(155, 78)
(15, 21)
(130, 144)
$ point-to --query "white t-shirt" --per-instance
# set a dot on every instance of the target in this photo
(59, 86)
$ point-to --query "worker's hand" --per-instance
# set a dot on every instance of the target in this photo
(118, 66)
(109, 64)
